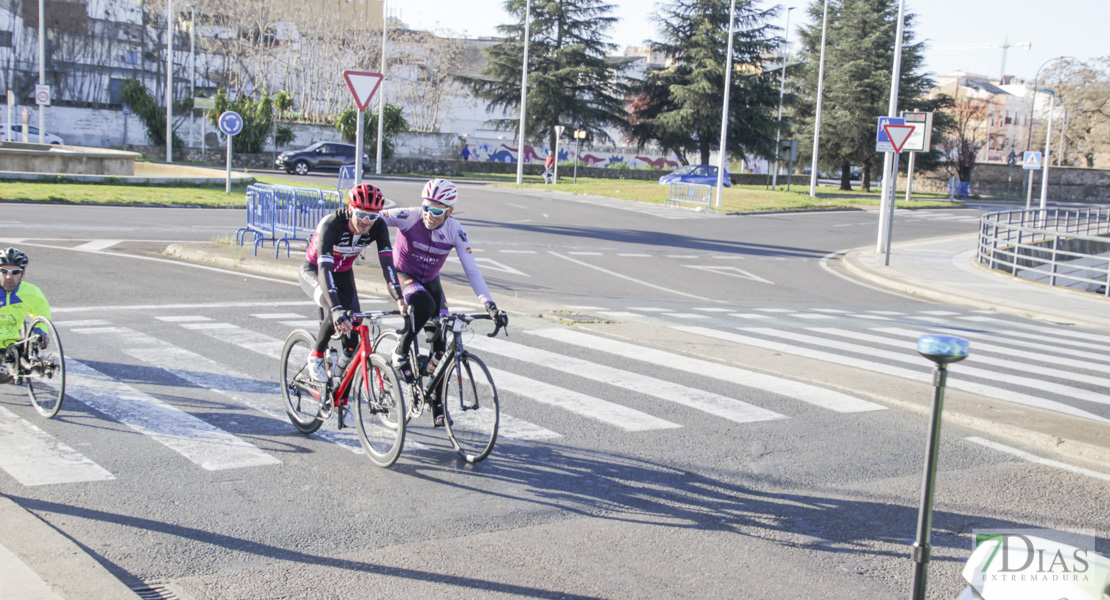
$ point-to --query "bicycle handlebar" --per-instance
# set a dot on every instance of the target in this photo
(434, 323)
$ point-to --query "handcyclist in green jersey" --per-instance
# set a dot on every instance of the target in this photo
(18, 302)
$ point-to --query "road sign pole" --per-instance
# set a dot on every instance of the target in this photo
(884, 201)
(227, 188)
(909, 176)
(358, 146)
(893, 183)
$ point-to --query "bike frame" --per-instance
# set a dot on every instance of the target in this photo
(338, 396)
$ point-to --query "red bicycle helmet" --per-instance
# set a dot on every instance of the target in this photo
(366, 197)
(441, 191)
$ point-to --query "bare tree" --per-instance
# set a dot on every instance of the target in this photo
(970, 131)
(422, 76)
(1084, 91)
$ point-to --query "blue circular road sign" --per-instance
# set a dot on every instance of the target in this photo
(230, 122)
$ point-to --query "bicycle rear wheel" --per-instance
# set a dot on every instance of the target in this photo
(470, 407)
(44, 369)
(380, 411)
(304, 398)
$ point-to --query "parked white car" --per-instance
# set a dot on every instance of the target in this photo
(32, 135)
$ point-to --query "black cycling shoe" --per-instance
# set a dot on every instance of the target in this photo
(404, 367)
(437, 414)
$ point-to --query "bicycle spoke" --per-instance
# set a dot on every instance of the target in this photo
(471, 407)
(379, 407)
(43, 369)
(301, 394)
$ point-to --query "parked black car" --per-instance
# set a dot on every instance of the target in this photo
(319, 156)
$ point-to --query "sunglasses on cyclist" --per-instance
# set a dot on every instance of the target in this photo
(365, 215)
(434, 211)
(10, 271)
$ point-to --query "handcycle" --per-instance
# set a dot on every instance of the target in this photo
(368, 382)
(460, 382)
(36, 361)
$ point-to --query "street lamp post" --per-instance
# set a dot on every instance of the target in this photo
(169, 82)
(42, 77)
(1047, 148)
(820, 94)
(523, 94)
(192, 72)
(1029, 135)
(381, 103)
(721, 158)
(782, 92)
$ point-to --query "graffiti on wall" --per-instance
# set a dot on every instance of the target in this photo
(599, 156)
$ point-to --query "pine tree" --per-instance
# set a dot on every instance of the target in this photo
(859, 58)
(570, 82)
(680, 107)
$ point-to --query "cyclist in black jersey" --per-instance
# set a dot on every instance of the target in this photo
(326, 274)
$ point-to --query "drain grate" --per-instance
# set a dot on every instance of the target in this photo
(158, 591)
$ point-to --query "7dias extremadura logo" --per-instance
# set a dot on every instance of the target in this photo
(1036, 563)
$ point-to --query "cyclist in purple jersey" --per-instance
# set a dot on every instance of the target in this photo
(326, 274)
(425, 237)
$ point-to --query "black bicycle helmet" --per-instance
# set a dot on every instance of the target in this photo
(12, 256)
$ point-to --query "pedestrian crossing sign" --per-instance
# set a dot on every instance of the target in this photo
(1031, 160)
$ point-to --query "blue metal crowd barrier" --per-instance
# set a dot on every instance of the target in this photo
(283, 214)
(690, 193)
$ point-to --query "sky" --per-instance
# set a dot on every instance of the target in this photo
(1076, 28)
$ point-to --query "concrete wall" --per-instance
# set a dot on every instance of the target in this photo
(1065, 184)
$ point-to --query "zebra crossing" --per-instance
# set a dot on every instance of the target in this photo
(1046, 367)
(1015, 361)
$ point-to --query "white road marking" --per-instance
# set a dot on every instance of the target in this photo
(627, 278)
(244, 338)
(1033, 458)
(183, 318)
(276, 316)
(686, 316)
(804, 392)
(610, 413)
(964, 370)
(1054, 334)
(633, 255)
(202, 443)
(749, 316)
(80, 323)
(731, 272)
(33, 457)
(150, 307)
(97, 245)
(714, 404)
(1050, 348)
(850, 361)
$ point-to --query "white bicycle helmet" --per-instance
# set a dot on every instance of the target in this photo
(441, 191)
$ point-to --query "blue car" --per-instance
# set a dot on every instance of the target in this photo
(701, 174)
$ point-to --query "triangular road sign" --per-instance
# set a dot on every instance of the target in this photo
(362, 86)
(898, 134)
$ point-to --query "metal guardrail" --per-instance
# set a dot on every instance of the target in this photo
(1068, 248)
(690, 193)
(284, 214)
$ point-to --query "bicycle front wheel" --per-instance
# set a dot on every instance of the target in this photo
(470, 407)
(304, 398)
(380, 410)
(44, 369)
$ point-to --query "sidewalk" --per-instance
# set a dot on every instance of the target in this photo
(944, 270)
(39, 563)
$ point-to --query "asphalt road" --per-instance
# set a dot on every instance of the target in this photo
(674, 462)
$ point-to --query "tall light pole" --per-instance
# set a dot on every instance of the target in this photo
(192, 71)
(42, 74)
(1029, 135)
(169, 82)
(887, 202)
(523, 94)
(724, 110)
(820, 96)
(381, 101)
(782, 92)
(1047, 148)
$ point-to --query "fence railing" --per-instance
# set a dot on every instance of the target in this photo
(690, 193)
(1062, 247)
(282, 214)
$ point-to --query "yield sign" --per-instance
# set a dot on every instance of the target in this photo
(362, 86)
(898, 134)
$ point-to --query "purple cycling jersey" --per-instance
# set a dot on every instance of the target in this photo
(421, 252)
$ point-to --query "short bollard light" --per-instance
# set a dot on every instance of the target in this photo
(942, 350)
